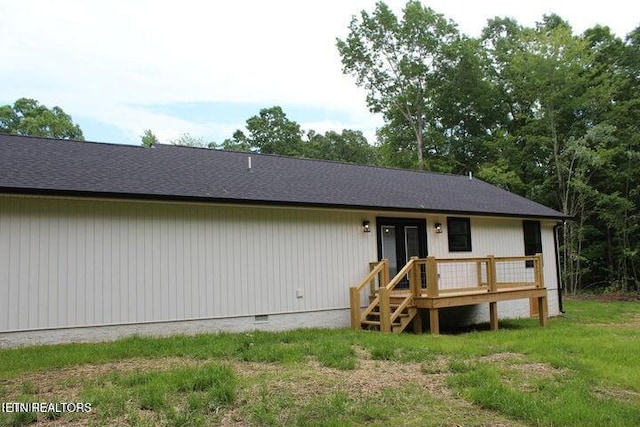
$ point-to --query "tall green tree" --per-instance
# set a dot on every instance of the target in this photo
(614, 256)
(399, 63)
(565, 136)
(545, 76)
(28, 117)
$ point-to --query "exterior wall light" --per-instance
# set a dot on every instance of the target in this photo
(366, 226)
(438, 227)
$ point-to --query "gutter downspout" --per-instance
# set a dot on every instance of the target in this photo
(556, 242)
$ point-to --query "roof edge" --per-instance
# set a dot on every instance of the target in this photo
(253, 202)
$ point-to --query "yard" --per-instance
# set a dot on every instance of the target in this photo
(582, 370)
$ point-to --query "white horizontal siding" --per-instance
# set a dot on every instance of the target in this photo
(75, 262)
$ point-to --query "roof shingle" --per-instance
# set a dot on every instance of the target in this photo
(49, 166)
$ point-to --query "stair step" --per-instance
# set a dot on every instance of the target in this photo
(377, 313)
(393, 307)
(375, 322)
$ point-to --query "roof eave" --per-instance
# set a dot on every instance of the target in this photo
(234, 201)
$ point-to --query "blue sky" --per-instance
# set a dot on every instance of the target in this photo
(203, 67)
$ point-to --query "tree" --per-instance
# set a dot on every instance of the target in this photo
(399, 63)
(28, 117)
(270, 132)
(148, 138)
(566, 135)
(615, 259)
(188, 140)
(238, 142)
(349, 146)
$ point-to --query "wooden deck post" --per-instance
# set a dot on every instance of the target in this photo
(491, 274)
(493, 315)
(432, 277)
(414, 278)
(493, 287)
(434, 321)
(542, 310)
(539, 271)
(354, 296)
(385, 310)
(385, 273)
(416, 289)
(417, 322)
(542, 301)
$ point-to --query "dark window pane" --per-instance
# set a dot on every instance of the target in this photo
(532, 239)
(459, 231)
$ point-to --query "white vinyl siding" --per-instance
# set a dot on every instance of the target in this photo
(80, 262)
(69, 262)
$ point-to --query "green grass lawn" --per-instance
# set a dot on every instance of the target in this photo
(582, 370)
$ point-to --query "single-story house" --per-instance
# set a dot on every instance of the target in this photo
(99, 241)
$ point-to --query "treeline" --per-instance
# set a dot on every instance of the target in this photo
(540, 111)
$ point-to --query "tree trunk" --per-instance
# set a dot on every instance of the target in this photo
(420, 147)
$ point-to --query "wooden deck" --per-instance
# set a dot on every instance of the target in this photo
(441, 283)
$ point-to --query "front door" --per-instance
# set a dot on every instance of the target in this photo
(398, 240)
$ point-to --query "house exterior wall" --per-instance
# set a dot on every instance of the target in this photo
(73, 263)
(84, 269)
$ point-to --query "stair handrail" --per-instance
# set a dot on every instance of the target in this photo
(380, 268)
(403, 272)
(386, 317)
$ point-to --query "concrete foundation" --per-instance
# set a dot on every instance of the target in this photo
(272, 322)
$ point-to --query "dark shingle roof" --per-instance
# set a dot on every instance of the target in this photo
(48, 166)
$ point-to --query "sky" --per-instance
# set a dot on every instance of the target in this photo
(119, 67)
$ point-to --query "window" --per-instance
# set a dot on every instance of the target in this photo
(459, 231)
(532, 239)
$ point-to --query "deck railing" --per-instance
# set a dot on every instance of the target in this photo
(432, 278)
(490, 273)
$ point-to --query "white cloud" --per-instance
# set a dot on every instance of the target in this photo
(107, 59)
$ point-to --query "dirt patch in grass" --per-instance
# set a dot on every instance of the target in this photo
(521, 374)
(518, 363)
(310, 380)
(618, 394)
(66, 382)
(302, 383)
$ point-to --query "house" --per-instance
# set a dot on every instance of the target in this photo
(99, 241)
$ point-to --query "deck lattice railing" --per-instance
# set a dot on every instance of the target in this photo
(431, 277)
(488, 273)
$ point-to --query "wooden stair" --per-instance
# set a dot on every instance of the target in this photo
(371, 317)
(387, 312)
